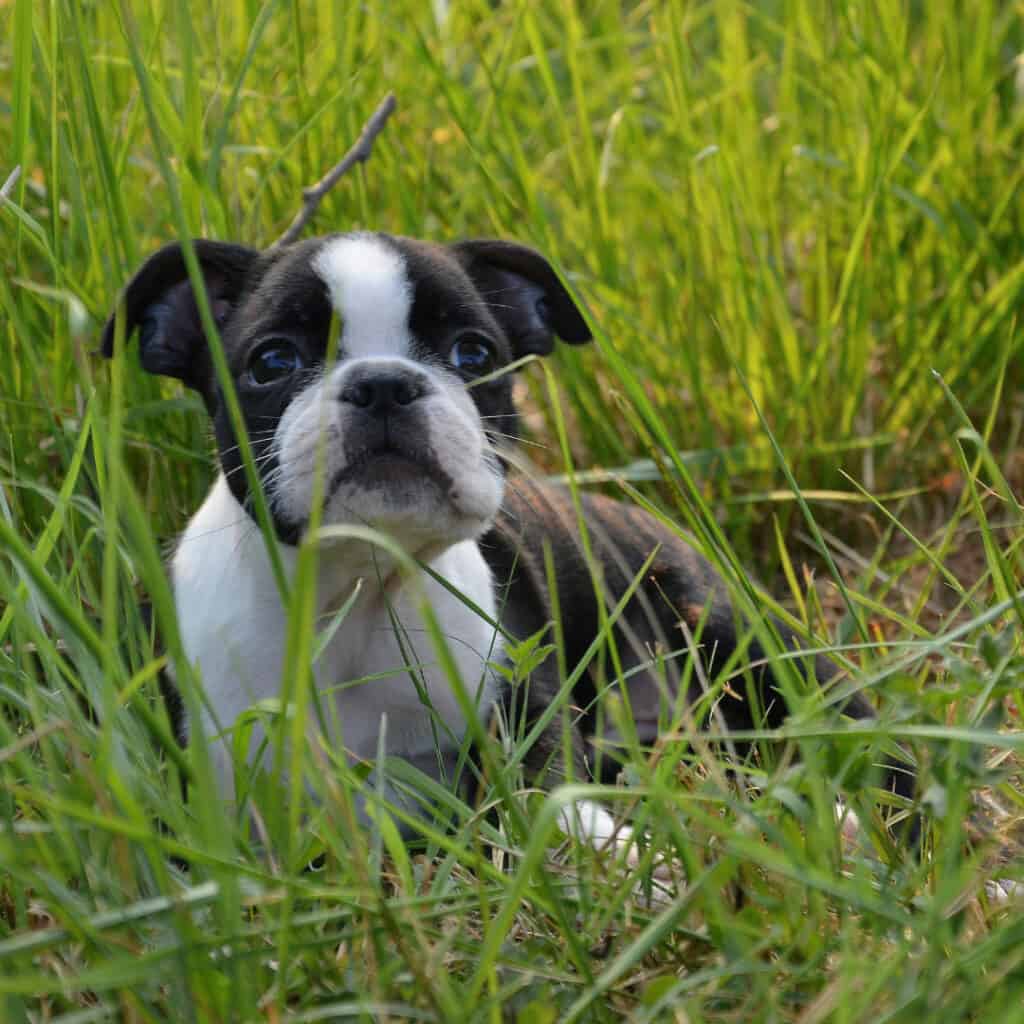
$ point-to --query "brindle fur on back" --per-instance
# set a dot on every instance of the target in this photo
(679, 589)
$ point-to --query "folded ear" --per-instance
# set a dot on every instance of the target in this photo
(160, 301)
(524, 294)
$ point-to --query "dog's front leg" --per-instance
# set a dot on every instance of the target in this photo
(558, 756)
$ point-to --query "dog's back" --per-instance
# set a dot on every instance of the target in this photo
(678, 607)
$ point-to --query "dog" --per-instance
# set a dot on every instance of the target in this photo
(399, 417)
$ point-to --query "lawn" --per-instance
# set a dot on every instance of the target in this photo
(796, 226)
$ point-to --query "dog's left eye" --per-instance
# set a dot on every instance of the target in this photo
(273, 361)
(472, 355)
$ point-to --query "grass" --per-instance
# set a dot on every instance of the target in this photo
(796, 226)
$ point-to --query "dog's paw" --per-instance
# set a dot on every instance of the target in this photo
(1004, 891)
(591, 823)
(851, 832)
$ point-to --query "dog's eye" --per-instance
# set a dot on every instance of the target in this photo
(472, 355)
(273, 361)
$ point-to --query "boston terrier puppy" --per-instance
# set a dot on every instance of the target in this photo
(367, 370)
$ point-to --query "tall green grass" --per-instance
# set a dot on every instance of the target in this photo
(796, 225)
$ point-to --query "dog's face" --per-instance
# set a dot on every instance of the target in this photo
(403, 435)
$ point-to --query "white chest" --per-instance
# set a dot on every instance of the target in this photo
(380, 661)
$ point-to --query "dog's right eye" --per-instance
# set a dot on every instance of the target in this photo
(273, 361)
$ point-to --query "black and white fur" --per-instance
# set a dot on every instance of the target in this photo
(410, 450)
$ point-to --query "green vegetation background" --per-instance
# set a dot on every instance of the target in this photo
(796, 225)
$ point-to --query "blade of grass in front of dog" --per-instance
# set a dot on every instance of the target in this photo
(298, 682)
(108, 461)
(530, 869)
(497, 772)
(195, 766)
(592, 563)
(215, 348)
(573, 676)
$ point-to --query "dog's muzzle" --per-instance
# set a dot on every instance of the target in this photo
(386, 437)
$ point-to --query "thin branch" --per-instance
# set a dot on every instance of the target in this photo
(358, 154)
(8, 186)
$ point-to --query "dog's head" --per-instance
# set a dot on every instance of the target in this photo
(409, 444)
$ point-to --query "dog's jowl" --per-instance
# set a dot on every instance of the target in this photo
(406, 428)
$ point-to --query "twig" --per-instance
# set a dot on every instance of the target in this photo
(358, 154)
(8, 186)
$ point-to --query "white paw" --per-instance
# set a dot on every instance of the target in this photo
(1003, 891)
(850, 829)
(589, 822)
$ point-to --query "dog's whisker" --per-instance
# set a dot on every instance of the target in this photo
(519, 440)
(261, 460)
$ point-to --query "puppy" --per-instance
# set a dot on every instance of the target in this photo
(406, 430)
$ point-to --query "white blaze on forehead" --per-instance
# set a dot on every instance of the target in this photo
(370, 288)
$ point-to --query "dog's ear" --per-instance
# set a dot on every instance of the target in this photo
(160, 301)
(524, 295)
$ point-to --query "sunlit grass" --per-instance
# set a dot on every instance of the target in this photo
(796, 229)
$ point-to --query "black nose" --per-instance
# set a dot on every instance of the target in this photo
(382, 393)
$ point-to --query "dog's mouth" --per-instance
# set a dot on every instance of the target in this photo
(391, 468)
